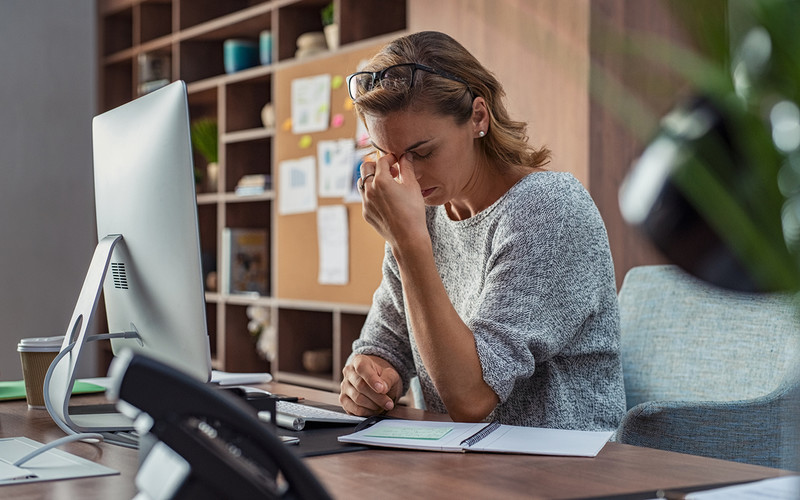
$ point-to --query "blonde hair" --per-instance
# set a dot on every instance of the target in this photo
(506, 141)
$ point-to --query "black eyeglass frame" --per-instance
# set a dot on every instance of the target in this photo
(378, 76)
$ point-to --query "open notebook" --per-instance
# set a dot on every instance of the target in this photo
(493, 437)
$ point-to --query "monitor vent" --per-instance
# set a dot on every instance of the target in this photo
(119, 275)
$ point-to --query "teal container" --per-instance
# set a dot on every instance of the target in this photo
(239, 54)
(265, 47)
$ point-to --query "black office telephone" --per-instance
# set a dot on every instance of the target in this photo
(230, 453)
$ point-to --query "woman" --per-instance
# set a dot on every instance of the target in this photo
(498, 288)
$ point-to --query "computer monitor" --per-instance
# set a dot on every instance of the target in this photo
(147, 261)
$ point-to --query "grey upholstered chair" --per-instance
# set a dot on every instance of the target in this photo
(708, 371)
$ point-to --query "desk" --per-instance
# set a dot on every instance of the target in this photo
(618, 469)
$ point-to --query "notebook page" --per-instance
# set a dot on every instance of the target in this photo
(539, 441)
(415, 434)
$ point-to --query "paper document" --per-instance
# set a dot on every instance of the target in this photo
(333, 244)
(311, 104)
(8, 471)
(15, 389)
(779, 488)
(50, 465)
(491, 438)
(335, 165)
(297, 186)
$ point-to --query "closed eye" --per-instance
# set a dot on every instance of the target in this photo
(418, 156)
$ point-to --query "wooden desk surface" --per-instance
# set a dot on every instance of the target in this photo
(618, 469)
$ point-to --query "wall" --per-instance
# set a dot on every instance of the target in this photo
(538, 49)
(549, 55)
(47, 98)
(616, 139)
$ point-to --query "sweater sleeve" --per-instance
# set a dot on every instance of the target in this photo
(548, 272)
(385, 332)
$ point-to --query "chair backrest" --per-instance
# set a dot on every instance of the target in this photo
(683, 339)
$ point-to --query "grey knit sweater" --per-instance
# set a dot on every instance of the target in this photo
(533, 279)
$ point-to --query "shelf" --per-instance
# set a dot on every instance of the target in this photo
(163, 44)
(122, 56)
(159, 21)
(203, 15)
(311, 305)
(110, 7)
(253, 156)
(208, 198)
(297, 18)
(247, 135)
(247, 300)
(236, 198)
(192, 33)
(118, 33)
(307, 380)
(247, 22)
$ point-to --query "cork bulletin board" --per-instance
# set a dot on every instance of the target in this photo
(297, 245)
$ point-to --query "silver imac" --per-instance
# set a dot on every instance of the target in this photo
(147, 262)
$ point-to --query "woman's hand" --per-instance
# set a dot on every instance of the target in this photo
(370, 386)
(392, 201)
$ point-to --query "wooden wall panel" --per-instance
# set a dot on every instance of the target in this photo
(615, 139)
(547, 54)
(538, 50)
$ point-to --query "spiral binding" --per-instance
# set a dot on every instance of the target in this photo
(478, 436)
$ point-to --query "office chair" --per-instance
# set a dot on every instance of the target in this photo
(709, 371)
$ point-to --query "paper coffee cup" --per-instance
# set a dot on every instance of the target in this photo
(36, 354)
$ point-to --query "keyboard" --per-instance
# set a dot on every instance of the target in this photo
(294, 416)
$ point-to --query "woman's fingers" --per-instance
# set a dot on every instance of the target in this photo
(363, 391)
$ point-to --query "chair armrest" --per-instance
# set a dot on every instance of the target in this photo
(762, 431)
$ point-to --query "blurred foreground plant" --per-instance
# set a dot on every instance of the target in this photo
(718, 188)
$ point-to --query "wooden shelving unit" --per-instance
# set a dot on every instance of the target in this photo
(191, 33)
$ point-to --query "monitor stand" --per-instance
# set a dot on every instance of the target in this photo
(60, 376)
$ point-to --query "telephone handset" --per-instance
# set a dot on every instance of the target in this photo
(214, 444)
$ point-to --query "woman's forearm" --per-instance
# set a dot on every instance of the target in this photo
(446, 344)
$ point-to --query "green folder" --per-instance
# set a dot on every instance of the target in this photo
(15, 389)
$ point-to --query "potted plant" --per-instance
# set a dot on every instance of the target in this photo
(330, 27)
(205, 138)
(734, 146)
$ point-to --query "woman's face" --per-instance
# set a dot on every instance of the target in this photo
(442, 153)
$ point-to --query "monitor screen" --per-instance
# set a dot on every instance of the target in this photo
(145, 191)
(147, 261)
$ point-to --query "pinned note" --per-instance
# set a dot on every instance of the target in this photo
(297, 192)
(311, 103)
(333, 241)
(335, 164)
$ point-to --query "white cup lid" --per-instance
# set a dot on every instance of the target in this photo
(40, 344)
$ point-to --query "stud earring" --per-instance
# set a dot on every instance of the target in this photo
(481, 133)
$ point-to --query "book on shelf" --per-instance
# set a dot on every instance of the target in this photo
(246, 261)
(481, 437)
(252, 184)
